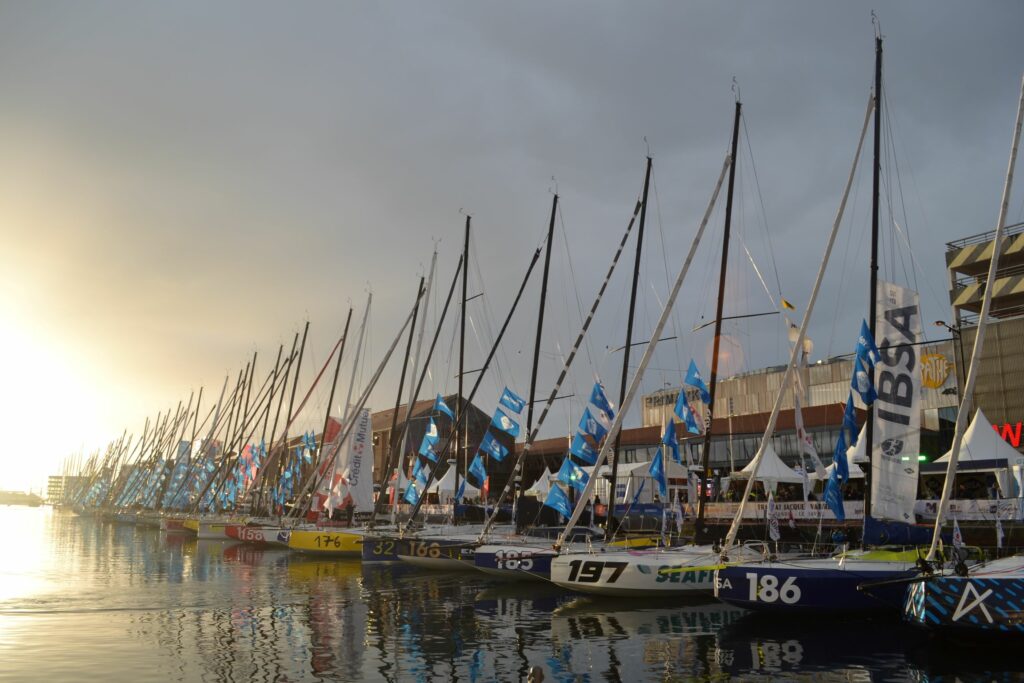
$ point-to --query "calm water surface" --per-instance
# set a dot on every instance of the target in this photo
(82, 600)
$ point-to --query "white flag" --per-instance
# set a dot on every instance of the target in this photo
(773, 522)
(958, 539)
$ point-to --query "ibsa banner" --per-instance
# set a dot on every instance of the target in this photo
(897, 411)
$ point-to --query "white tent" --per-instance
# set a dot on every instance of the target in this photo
(982, 442)
(541, 487)
(856, 472)
(445, 487)
(772, 470)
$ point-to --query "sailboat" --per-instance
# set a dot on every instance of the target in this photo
(891, 433)
(670, 571)
(987, 598)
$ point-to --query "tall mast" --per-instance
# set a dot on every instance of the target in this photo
(700, 534)
(389, 447)
(458, 427)
(540, 319)
(610, 522)
(869, 432)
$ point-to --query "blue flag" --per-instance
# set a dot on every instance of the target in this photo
(693, 379)
(591, 426)
(583, 450)
(668, 438)
(842, 465)
(862, 381)
(557, 500)
(599, 400)
(505, 423)
(430, 439)
(309, 439)
(834, 496)
(512, 401)
(461, 491)
(657, 471)
(573, 475)
(686, 414)
(850, 421)
(412, 496)
(442, 407)
(477, 469)
(491, 447)
(866, 349)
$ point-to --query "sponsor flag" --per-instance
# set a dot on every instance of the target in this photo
(773, 521)
(491, 447)
(461, 491)
(573, 475)
(694, 380)
(866, 349)
(862, 383)
(477, 469)
(583, 450)
(599, 400)
(657, 471)
(557, 500)
(850, 422)
(668, 438)
(685, 413)
(442, 407)
(512, 401)
(430, 439)
(841, 465)
(505, 423)
(958, 538)
(591, 426)
(834, 496)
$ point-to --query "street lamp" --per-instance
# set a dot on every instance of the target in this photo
(958, 342)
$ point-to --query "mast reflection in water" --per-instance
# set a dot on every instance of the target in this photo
(84, 600)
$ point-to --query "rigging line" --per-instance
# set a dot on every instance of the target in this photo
(501, 363)
(664, 258)
(760, 199)
(575, 284)
(903, 206)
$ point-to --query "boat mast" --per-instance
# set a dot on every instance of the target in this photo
(979, 336)
(699, 532)
(540, 322)
(330, 398)
(869, 432)
(610, 523)
(459, 409)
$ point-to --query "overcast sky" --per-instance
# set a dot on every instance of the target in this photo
(184, 184)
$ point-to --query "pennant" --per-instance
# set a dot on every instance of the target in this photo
(557, 500)
(505, 423)
(866, 349)
(512, 401)
(592, 426)
(958, 538)
(685, 413)
(492, 447)
(477, 469)
(668, 438)
(412, 496)
(583, 450)
(573, 475)
(862, 382)
(441, 407)
(786, 305)
(599, 400)
(693, 379)
(657, 471)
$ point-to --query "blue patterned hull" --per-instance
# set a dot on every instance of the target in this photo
(515, 562)
(976, 605)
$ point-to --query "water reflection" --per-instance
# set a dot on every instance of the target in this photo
(87, 600)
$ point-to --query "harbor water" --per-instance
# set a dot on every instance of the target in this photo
(85, 600)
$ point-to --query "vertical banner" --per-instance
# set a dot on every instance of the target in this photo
(897, 429)
(359, 472)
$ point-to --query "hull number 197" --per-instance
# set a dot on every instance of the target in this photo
(590, 570)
